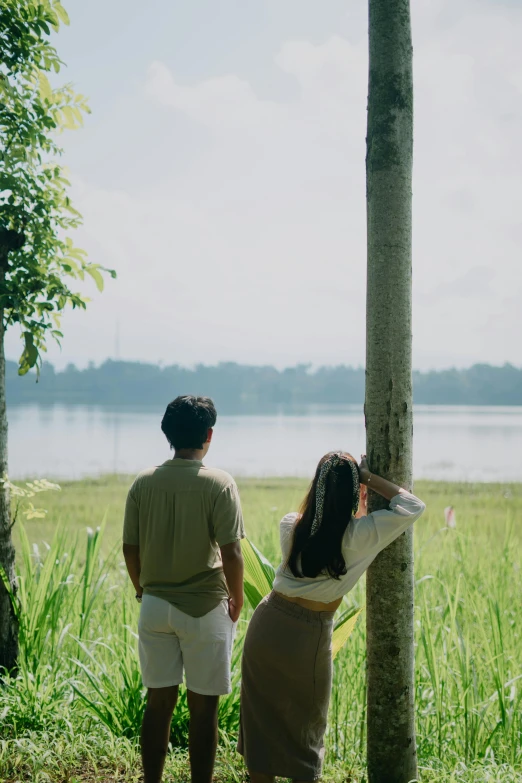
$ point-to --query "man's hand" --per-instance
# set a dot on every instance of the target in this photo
(234, 610)
(233, 567)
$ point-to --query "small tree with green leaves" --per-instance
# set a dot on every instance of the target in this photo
(39, 263)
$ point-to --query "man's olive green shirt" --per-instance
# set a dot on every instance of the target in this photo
(180, 514)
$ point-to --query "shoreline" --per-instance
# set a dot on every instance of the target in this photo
(109, 477)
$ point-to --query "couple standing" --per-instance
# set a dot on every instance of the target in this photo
(181, 543)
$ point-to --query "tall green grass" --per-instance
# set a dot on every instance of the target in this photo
(79, 673)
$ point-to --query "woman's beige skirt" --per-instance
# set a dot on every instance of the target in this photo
(285, 689)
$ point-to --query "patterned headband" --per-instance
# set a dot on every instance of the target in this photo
(332, 462)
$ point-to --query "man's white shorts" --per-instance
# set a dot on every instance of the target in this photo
(170, 641)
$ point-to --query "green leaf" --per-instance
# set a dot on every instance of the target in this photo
(259, 573)
(29, 355)
(253, 595)
(78, 115)
(96, 275)
(45, 86)
(343, 630)
(31, 512)
(61, 12)
(70, 265)
(69, 120)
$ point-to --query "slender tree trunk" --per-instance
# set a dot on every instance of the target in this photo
(388, 405)
(8, 624)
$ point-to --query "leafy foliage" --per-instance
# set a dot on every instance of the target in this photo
(38, 260)
(81, 610)
(21, 495)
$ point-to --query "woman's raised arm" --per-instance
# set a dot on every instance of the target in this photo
(387, 489)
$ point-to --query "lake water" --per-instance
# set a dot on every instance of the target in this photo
(450, 443)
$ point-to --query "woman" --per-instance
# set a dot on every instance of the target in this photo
(287, 658)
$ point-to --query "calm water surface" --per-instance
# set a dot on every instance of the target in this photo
(450, 443)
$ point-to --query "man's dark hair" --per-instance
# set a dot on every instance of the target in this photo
(187, 421)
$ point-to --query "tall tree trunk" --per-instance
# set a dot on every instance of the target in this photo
(8, 624)
(388, 405)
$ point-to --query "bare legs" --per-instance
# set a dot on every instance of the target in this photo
(155, 731)
(203, 735)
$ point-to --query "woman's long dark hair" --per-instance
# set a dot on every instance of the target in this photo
(322, 552)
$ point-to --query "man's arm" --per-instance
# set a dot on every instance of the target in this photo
(233, 567)
(131, 553)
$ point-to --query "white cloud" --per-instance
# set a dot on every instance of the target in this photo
(256, 250)
(224, 103)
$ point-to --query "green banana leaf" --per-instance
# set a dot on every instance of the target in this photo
(343, 630)
(259, 573)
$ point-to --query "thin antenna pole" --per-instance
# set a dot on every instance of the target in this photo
(117, 342)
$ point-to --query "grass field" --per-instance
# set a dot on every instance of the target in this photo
(74, 712)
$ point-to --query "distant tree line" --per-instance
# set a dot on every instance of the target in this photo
(237, 387)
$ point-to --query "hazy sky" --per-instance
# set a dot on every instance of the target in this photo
(222, 174)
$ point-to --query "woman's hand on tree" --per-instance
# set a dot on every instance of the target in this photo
(364, 470)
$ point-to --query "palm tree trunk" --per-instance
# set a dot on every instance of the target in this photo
(388, 405)
(8, 624)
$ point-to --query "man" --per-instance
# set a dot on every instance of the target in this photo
(181, 543)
